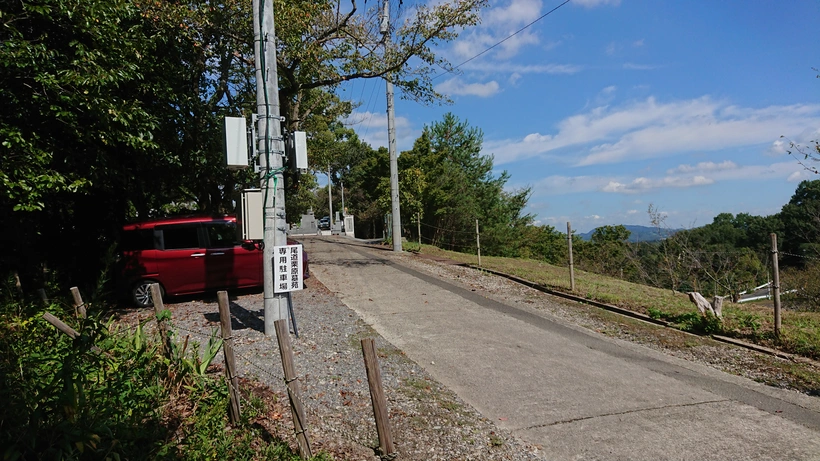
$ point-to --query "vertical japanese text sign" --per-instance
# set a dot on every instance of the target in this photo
(287, 268)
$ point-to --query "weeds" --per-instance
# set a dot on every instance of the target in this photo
(109, 394)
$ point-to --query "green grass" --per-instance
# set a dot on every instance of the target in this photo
(754, 322)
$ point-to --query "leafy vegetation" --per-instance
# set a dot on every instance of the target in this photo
(109, 394)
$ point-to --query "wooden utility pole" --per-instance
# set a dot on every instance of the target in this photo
(571, 267)
(776, 286)
(227, 351)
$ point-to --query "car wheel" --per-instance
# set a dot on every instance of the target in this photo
(141, 293)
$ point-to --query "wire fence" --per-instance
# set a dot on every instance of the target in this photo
(448, 230)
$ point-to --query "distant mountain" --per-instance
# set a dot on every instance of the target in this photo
(639, 234)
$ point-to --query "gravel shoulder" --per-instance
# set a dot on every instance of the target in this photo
(429, 421)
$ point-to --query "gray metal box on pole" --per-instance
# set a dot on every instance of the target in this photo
(236, 143)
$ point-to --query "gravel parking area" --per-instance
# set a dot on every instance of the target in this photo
(429, 422)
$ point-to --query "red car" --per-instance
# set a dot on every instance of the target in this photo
(188, 255)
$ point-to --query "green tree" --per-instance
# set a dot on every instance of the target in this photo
(456, 186)
(801, 223)
(77, 131)
(607, 251)
(321, 44)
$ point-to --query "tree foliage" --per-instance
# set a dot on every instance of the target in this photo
(451, 185)
(324, 43)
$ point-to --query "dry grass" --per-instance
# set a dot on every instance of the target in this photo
(752, 322)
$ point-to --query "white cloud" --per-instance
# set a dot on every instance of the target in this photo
(785, 145)
(553, 69)
(631, 212)
(497, 25)
(514, 78)
(605, 96)
(559, 185)
(703, 166)
(594, 3)
(372, 129)
(798, 176)
(458, 87)
(707, 173)
(652, 129)
(638, 43)
(644, 184)
(612, 48)
(516, 13)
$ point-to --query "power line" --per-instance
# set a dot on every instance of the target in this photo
(369, 114)
(504, 40)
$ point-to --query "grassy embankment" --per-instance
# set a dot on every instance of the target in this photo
(751, 322)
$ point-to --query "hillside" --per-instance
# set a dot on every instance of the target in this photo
(639, 233)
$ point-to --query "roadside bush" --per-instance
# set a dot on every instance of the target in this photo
(109, 394)
(65, 400)
(806, 286)
(695, 322)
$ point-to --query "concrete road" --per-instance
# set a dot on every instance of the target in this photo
(575, 393)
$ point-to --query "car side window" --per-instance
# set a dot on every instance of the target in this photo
(137, 240)
(221, 234)
(180, 237)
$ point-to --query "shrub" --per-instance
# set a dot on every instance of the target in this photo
(801, 288)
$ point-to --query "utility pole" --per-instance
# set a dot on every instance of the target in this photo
(344, 210)
(271, 151)
(329, 198)
(391, 136)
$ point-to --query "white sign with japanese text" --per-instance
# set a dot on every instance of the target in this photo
(287, 268)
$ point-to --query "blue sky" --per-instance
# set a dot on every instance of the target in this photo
(607, 106)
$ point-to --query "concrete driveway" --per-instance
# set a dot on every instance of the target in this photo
(574, 393)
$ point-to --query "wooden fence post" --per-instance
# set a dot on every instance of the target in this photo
(571, 267)
(60, 325)
(374, 380)
(776, 286)
(79, 306)
(227, 350)
(296, 409)
(418, 224)
(156, 297)
(477, 242)
(43, 297)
